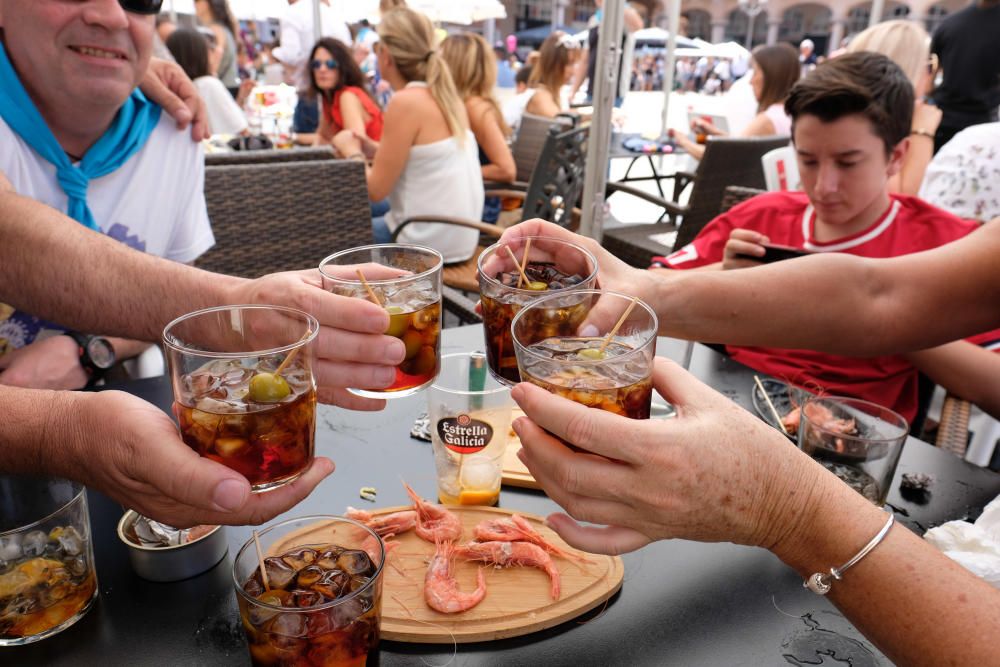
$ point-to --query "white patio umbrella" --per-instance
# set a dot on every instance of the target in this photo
(462, 12)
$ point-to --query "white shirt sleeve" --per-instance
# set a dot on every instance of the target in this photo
(291, 51)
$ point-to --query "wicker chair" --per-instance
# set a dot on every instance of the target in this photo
(273, 155)
(552, 194)
(727, 161)
(280, 216)
(529, 143)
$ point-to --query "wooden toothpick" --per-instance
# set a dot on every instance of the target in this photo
(291, 355)
(371, 292)
(260, 559)
(520, 270)
(524, 260)
(767, 399)
(618, 325)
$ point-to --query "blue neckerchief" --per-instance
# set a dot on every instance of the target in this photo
(128, 132)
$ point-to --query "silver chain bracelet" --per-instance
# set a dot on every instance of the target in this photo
(820, 583)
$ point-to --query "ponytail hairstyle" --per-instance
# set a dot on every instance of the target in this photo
(473, 68)
(409, 38)
(558, 51)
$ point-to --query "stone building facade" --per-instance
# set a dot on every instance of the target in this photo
(825, 23)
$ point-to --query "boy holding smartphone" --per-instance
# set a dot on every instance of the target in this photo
(851, 128)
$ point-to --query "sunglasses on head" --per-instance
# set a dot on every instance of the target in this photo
(141, 6)
(330, 64)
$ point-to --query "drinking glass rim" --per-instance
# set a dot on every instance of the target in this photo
(466, 392)
(33, 524)
(326, 605)
(903, 423)
(311, 322)
(521, 290)
(586, 362)
(382, 281)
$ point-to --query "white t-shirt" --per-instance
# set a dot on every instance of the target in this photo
(964, 176)
(440, 178)
(224, 115)
(155, 202)
(297, 36)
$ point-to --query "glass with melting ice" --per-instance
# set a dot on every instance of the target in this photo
(406, 281)
(550, 265)
(322, 600)
(244, 393)
(47, 575)
(615, 375)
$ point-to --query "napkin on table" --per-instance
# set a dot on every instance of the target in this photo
(974, 546)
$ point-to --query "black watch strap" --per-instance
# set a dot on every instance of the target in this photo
(94, 371)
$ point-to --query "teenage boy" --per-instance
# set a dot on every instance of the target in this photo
(851, 125)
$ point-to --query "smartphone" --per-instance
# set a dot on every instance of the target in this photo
(777, 253)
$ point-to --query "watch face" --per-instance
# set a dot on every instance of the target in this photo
(101, 353)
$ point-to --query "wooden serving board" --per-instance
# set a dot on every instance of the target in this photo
(517, 599)
(515, 473)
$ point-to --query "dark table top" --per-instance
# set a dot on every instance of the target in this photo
(682, 603)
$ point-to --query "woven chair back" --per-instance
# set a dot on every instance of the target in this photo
(557, 181)
(282, 216)
(273, 155)
(530, 140)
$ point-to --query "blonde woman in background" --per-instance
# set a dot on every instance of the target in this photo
(426, 162)
(556, 61)
(908, 45)
(474, 70)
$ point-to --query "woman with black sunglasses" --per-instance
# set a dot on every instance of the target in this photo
(347, 105)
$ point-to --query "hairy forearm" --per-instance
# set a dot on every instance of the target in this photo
(99, 284)
(840, 303)
(914, 603)
(33, 440)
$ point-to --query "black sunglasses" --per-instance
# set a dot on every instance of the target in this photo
(330, 64)
(141, 6)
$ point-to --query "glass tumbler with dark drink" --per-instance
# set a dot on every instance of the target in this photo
(320, 602)
(406, 281)
(244, 393)
(611, 370)
(550, 265)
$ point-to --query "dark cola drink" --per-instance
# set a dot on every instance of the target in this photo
(575, 368)
(322, 608)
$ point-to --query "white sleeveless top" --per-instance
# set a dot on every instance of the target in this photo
(441, 178)
(781, 121)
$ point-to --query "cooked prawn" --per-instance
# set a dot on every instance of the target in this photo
(505, 554)
(434, 522)
(440, 588)
(519, 529)
(384, 524)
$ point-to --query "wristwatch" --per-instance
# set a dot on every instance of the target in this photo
(97, 355)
